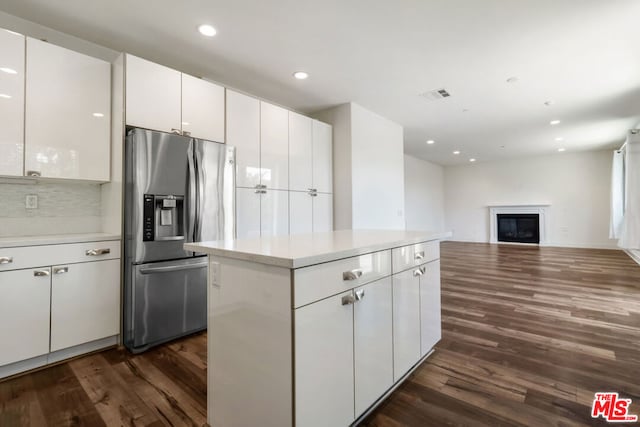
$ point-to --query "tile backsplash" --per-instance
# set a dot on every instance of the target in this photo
(63, 208)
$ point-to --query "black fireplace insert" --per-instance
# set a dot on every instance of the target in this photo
(520, 228)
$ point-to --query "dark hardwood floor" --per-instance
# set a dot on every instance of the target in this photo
(529, 334)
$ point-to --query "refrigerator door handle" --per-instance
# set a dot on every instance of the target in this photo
(171, 268)
(192, 217)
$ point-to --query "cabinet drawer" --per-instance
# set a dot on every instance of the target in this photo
(411, 256)
(320, 281)
(37, 256)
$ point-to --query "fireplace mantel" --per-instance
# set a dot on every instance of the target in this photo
(542, 209)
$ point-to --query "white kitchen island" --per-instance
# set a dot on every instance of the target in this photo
(316, 329)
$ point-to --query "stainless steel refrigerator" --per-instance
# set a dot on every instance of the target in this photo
(177, 189)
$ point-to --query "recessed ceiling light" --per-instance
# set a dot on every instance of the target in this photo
(300, 75)
(554, 122)
(456, 152)
(513, 79)
(431, 141)
(559, 138)
(549, 102)
(98, 115)
(561, 149)
(5, 96)
(207, 30)
(472, 160)
(8, 70)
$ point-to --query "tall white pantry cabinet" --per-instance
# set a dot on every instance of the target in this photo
(283, 169)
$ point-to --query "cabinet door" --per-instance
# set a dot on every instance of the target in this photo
(243, 132)
(85, 302)
(274, 146)
(24, 314)
(274, 213)
(300, 152)
(153, 95)
(322, 157)
(247, 213)
(406, 322)
(373, 343)
(322, 212)
(202, 109)
(300, 212)
(12, 103)
(430, 313)
(324, 363)
(67, 113)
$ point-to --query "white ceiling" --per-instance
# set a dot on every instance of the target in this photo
(583, 54)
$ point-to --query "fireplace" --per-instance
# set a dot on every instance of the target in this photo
(520, 223)
(519, 228)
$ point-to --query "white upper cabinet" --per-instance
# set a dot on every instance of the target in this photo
(11, 103)
(300, 152)
(67, 114)
(153, 95)
(322, 157)
(274, 146)
(243, 132)
(202, 109)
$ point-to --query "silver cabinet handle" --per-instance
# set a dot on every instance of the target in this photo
(95, 252)
(313, 193)
(33, 173)
(41, 273)
(261, 191)
(352, 275)
(419, 271)
(260, 186)
(60, 270)
(419, 255)
(6, 260)
(348, 300)
(359, 294)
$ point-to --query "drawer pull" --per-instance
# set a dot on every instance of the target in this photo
(348, 300)
(60, 270)
(419, 255)
(352, 275)
(6, 260)
(419, 271)
(95, 252)
(359, 294)
(41, 273)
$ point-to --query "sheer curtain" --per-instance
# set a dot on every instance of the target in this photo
(617, 195)
(630, 230)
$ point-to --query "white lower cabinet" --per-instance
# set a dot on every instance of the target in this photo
(406, 322)
(247, 213)
(24, 314)
(72, 306)
(322, 212)
(373, 343)
(300, 212)
(324, 362)
(430, 306)
(97, 286)
(274, 213)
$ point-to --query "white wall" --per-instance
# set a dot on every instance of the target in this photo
(377, 171)
(577, 185)
(423, 195)
(368, 169)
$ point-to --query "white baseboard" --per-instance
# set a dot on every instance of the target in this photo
(634, 254)
(548, 245)
(56, 356)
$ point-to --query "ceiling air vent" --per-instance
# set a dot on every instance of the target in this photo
(434, 95)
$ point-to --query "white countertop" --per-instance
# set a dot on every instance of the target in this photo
(55, 239)
(309, 249)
